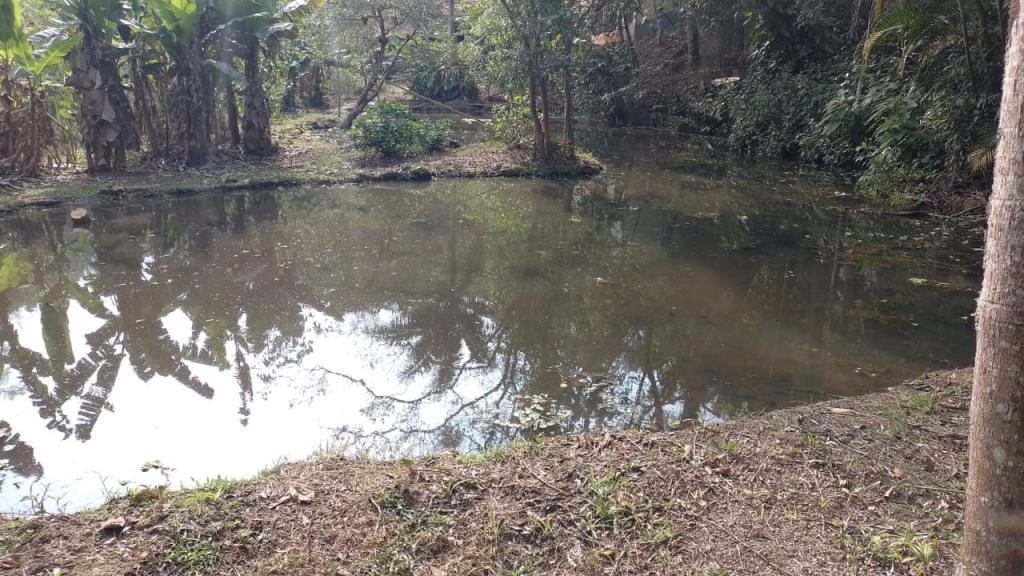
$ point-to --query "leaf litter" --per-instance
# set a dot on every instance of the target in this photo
(870, 485)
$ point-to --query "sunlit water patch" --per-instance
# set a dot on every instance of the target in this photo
(217, 334)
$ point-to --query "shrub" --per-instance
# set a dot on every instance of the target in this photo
(392, 130)
(511, 124)
(775, 108)
(439, 72)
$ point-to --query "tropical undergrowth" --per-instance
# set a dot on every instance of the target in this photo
(904, 95)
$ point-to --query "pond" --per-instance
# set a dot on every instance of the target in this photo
(217, 334)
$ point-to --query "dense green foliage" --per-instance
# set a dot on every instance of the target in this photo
(439, 71)
(392, 130)
(905, 95)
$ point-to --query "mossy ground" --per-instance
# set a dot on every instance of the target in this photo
(871, 485)
(313, 151)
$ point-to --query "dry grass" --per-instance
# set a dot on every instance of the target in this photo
(858, 486)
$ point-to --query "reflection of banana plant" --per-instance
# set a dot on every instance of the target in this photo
(16, 455)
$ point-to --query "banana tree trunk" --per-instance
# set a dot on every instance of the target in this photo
(256, 139)
(106, 123)
(189, 122)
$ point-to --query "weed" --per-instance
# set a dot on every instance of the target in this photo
(272, 469)
(660, 531)
(745, 413)
(521, 570)
(488, 455)
(222, 486)
(608, 514)
(192, 555)
(911, 550)
(197, 500)
(37, 499)
(544, 524)
(924, 403)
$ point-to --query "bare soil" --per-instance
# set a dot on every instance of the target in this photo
(871, 485)
(313, 151)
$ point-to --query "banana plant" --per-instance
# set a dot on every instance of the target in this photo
(28, 125)
(253, 26)
(180, 28)
(106, 122)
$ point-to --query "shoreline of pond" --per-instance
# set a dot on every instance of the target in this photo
(235, 174)
(868, 483)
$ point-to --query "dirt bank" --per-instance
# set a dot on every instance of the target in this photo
(313, 152)
(872, 485)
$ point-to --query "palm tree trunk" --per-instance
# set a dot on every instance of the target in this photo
(994, 513)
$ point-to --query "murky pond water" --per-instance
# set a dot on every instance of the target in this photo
(217, 333)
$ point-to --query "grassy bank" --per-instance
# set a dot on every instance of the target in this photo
(313, 152)
(857, 486)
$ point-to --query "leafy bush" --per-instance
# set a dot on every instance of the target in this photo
(438, 71)
(511, 123)
(605, 82)
(392, 130)
(776, 107)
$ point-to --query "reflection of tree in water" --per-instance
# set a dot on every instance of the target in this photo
(141, 270)
(16, 456)
(489, 302)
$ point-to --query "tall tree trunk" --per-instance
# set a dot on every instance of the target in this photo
(256, 112)
(145, 110)
(693, 41)
(540, 149)
(232, 106)
(451, 19)
(994, 518)
(570, 129)
(545, 120)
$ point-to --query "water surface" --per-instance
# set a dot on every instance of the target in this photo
(219, 333)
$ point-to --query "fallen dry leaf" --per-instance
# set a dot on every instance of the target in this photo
(603, 282)
(10, 562)
(842, 411)
(300, 494)
(115, 524)
(897, 473)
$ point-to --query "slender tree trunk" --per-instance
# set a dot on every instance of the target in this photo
(451, 19)
(256, 139)
(540, 150)
(570, 129)
(144, 108)
(994, 517)
(545, 119)
(365, 95)
(693, 41)
(378, 71)
(232, 106)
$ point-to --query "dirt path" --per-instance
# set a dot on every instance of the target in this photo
(872, 485)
